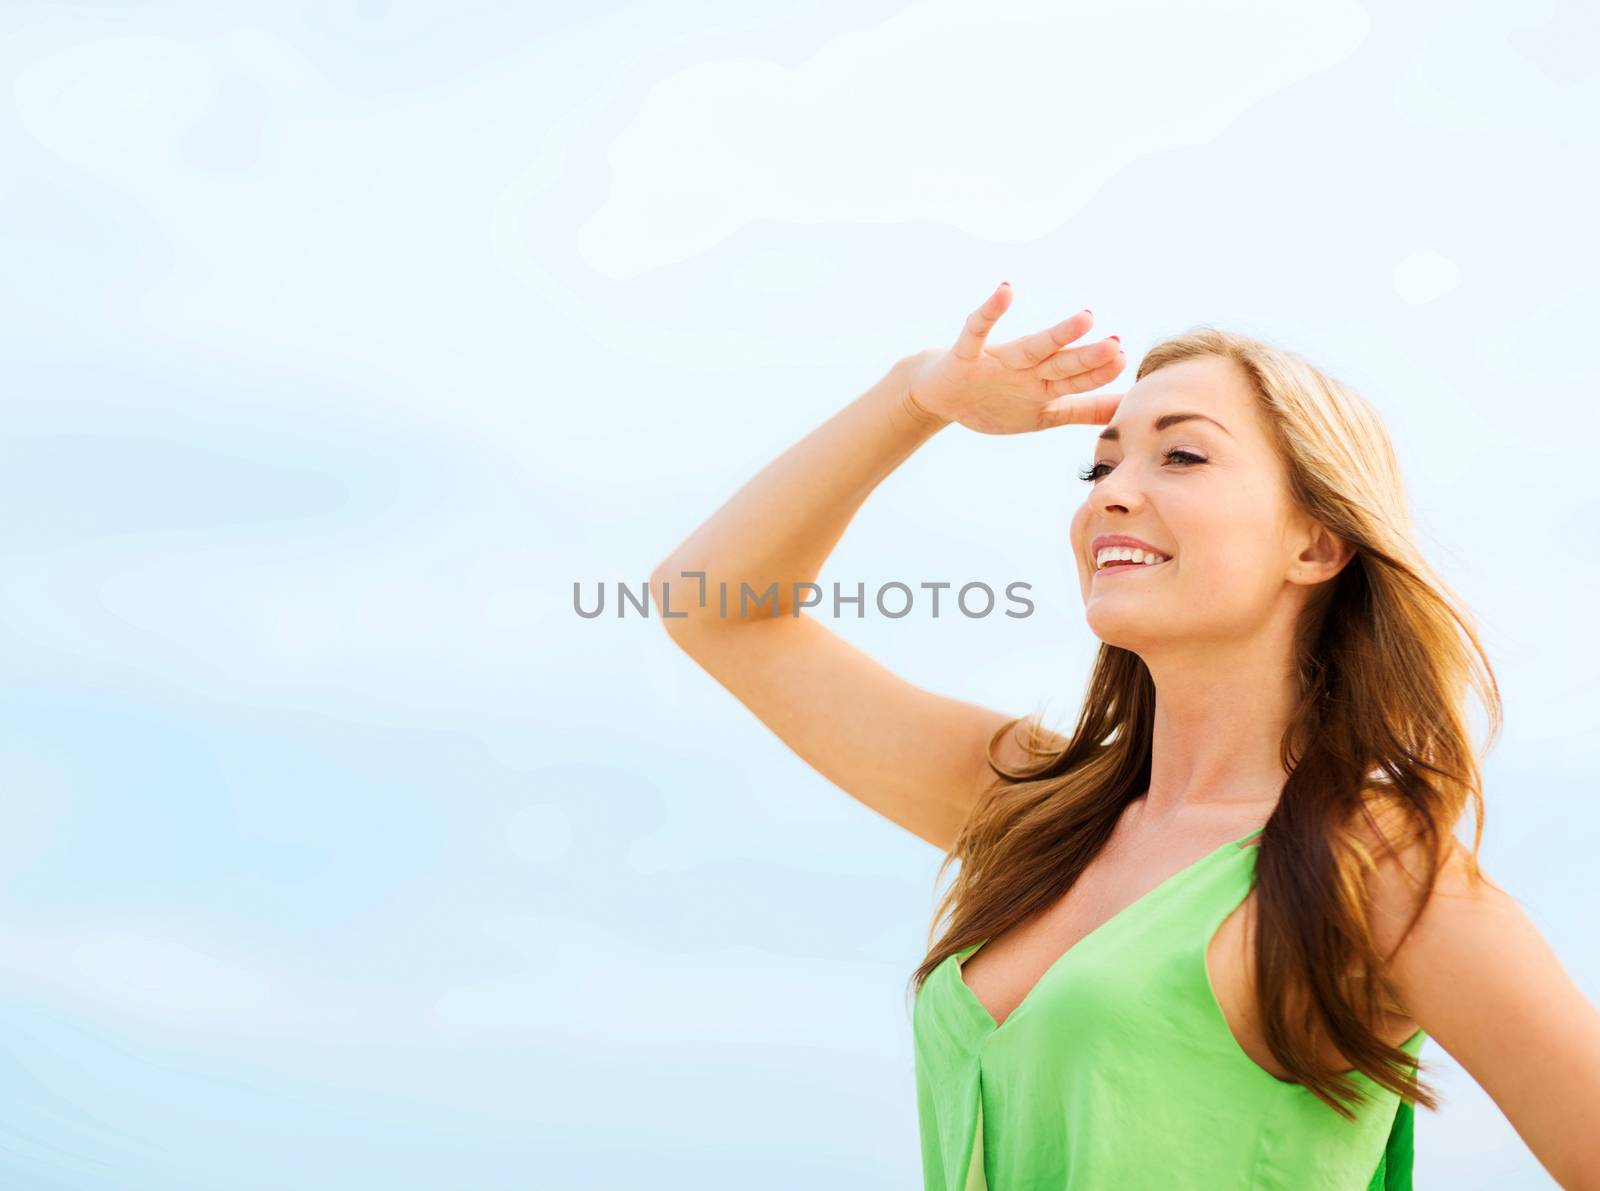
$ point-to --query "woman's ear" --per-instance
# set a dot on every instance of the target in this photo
(1324, 555)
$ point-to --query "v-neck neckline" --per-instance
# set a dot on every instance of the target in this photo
(958, 958)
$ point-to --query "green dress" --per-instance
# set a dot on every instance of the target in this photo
(1119, 1072)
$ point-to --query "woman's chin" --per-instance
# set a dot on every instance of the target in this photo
(1132, 627)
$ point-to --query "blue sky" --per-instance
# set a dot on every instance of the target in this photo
(343, 338)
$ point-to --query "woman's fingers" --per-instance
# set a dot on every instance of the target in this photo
(1041, 345)
(1040, 379)
(969, 344)
(1095, 409)
(1089, 378)
(1067, 404)
(1076, 361)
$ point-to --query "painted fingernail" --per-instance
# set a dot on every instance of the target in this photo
(1118, 338)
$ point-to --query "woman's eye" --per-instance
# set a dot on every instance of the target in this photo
(1188, 458)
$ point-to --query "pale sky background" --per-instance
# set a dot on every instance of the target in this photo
(342, 338)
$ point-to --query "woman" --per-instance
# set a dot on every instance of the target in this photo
(1199, 941)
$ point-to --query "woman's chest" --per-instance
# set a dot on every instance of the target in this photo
(1184, 949)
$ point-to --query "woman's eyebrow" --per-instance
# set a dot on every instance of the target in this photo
(1113, 434)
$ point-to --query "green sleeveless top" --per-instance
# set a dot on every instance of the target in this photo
(1119, 1070)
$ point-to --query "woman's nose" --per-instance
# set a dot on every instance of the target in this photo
(1121, 489)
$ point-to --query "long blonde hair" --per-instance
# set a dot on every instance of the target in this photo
(1385, 653)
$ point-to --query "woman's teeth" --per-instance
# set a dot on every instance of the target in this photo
(1127, 556)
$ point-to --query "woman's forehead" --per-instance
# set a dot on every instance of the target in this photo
(1209, 389)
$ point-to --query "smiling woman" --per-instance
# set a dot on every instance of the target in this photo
(1200, 941)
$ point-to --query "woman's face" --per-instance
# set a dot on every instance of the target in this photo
(1212, 495)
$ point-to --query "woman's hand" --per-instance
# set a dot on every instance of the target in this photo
(1031, 383)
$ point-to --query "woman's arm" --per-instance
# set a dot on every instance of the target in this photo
(1477, 975)
(913, 756)
(781, 526)
(916, 757)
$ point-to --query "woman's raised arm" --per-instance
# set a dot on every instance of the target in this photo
(916, 757)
